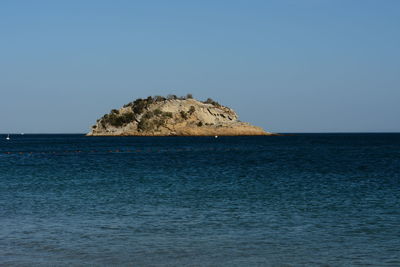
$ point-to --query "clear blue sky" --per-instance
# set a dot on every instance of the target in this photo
(285, 65)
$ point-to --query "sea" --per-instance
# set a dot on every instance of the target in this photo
(293, 200)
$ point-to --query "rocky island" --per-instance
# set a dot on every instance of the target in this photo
(173, 116)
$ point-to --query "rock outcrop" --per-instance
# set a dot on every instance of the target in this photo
(172, 116)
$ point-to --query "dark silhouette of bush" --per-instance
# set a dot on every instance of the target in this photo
(128, 117)
(116, 119)
(192, 109)
(158, 123)
(212, 102)
(145, 125)
(172, 97)
(158, 98)
(148, 115)
(184, 115)
(149, 100)
(199, 124)
(157, 112)
(139, 105)
(167, 114)
(189, 96)
(209, 101)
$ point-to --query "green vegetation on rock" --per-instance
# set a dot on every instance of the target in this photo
(116, 119)
(148, 120)
(212, 102)
(184, 115)
(153, 120)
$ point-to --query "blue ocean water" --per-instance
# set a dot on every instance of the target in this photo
(301, 200)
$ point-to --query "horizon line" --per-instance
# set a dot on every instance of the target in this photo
(316, 132)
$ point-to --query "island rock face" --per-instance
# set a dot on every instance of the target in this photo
(172, 116)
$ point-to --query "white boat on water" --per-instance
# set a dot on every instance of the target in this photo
(8, 137)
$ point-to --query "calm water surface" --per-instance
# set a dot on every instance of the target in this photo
(304, 200)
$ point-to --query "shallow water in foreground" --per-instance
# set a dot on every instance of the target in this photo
(304, 200)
